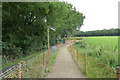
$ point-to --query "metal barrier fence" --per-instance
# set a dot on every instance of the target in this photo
(33, 68)
(92, 67)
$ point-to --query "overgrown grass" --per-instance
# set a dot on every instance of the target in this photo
(99, 50)
(104, 49)
(54, 58)
(21, 59)
(38, 70)
(38, 67)
(94, 67)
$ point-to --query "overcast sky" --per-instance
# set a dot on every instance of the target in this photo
(100, 14)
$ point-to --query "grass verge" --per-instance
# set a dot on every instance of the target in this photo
(4, 66)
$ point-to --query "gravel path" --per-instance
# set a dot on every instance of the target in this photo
(65, 67)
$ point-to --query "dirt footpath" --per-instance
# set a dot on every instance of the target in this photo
(65, 67)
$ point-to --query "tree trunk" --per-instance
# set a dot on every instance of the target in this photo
(48, 37)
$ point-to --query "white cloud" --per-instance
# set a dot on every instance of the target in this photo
(100, 14)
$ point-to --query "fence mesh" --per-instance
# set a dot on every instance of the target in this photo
(90, 66)
(36, 67)
(33, 68)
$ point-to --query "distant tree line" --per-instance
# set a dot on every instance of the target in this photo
(104, 32)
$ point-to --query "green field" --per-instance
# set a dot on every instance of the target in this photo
(99, 50)
(105, 48)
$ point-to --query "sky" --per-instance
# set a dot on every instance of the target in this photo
(100, 14)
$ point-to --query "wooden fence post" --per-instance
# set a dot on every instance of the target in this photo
(118, 73)
(14, 72)
(85, 63)
(43, 59)
(77, 54)
(19, 70)
(27, 71)
(7, 73)
(22, 63)
(73, 51)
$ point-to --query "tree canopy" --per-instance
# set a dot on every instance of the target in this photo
(25, 30)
